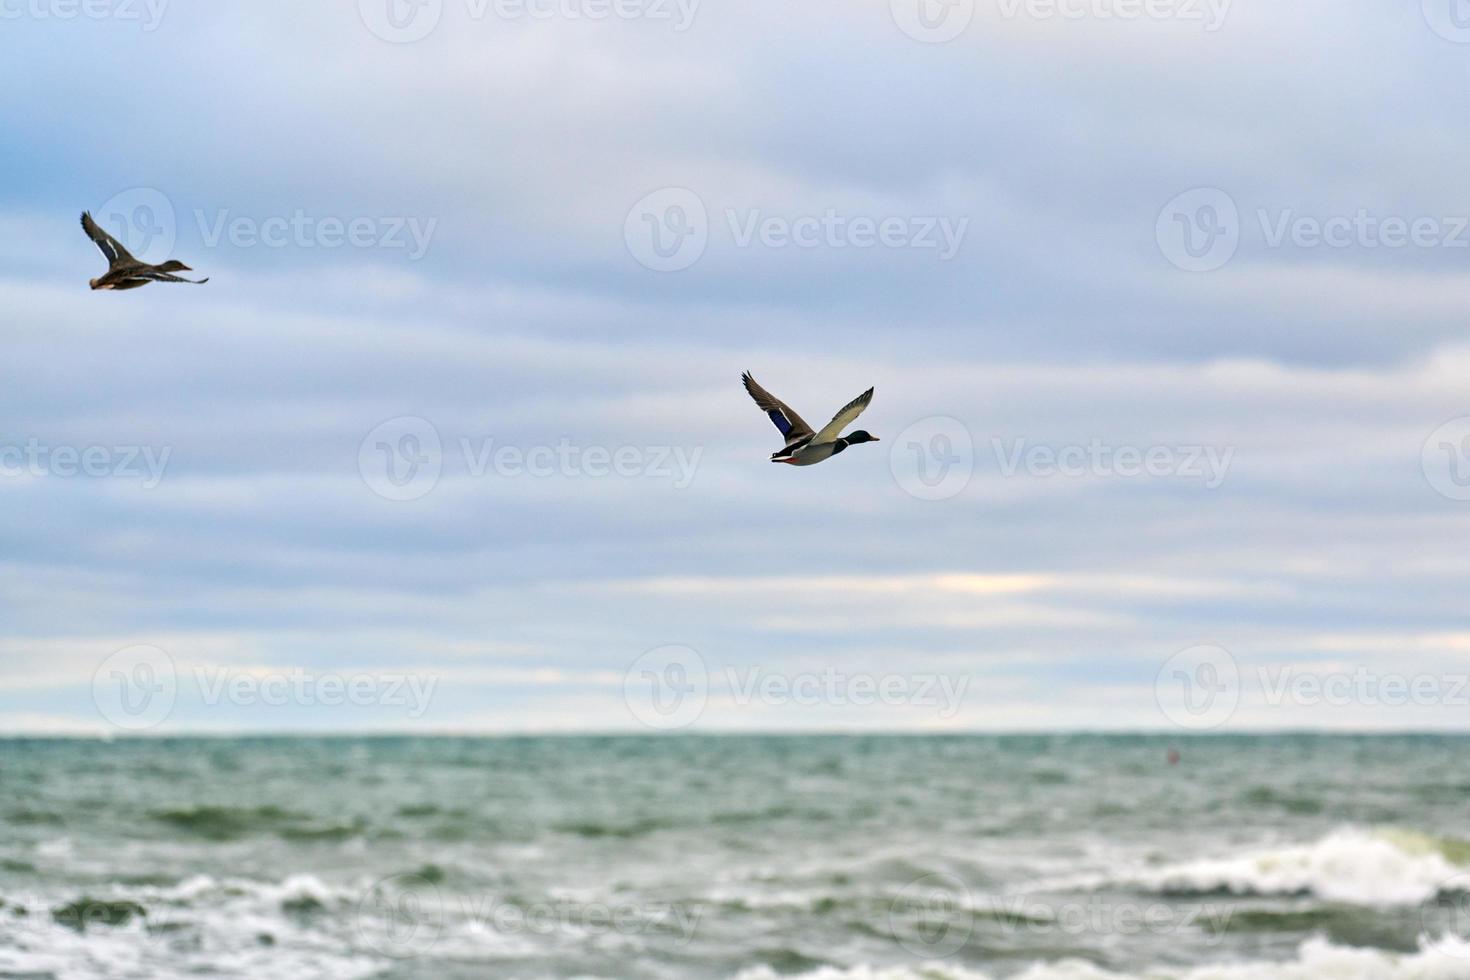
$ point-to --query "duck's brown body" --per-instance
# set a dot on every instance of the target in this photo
(123, 270)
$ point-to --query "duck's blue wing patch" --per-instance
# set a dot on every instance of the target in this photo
(782, 422)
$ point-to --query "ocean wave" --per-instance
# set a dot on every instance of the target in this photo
(293, 891)
(225, 823)
(199, 926)
(1444, 959)
(1353, 866)
(221, 823)
(628, 830)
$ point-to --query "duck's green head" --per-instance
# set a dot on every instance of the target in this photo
(862, 435)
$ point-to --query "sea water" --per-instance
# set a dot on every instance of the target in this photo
(1040, 858)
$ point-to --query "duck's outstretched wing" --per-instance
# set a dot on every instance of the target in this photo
(847, 416)
(110, 246)
(790, 424)
(157, 276)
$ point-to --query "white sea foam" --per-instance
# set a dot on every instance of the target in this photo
(1354, 866)
(38, 946)
(1444, 959)
(233, 927)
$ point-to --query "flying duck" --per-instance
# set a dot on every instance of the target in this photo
(126, 272)
(803, 446)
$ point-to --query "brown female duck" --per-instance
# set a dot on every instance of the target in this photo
(126, 272)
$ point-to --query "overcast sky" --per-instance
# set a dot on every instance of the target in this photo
(1165, 305)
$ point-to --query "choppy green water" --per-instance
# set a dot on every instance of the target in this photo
(1044, 857)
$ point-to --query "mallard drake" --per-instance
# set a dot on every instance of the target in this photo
(803, 446)
(126, 272)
